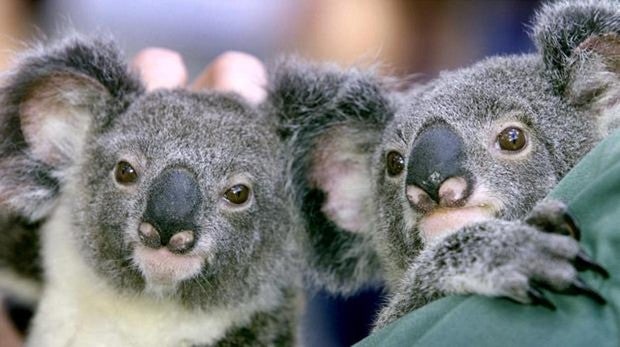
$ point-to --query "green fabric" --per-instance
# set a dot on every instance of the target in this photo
(592, 190)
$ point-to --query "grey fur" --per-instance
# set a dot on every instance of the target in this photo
(501, 257)
(566, 99)
(250, 253)
(318, 103)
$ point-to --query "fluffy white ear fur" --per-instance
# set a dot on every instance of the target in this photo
(341, 168)
(53, 114)
(595, 79)
(56, 114)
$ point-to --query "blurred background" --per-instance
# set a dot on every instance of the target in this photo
(418, 38)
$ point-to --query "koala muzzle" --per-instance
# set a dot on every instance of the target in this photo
(172, 207)
(436, 173)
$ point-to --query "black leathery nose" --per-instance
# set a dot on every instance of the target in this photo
(437, 154)
(173, 202)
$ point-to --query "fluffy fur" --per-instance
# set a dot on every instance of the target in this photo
(564, 98)
(324, 108)
(70, 113)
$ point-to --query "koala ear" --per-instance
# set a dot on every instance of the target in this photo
(48, 104)
(580, 45)
(332, 120)
(55, 114)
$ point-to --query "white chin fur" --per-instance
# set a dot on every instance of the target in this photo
(445, 221)
(162, 267)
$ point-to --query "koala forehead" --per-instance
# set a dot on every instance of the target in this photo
(492, 90)
(180, 125)
(206, 120)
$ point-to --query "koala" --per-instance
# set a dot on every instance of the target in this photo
(331, 118)
(440, 190)
(163, 217)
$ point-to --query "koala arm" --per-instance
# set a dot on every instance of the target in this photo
(497, 258)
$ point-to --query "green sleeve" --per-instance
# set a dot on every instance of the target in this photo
(592, 191)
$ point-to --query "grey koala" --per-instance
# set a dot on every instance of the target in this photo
(159, 225)
(446, 181)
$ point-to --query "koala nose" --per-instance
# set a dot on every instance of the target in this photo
(436, 172)
(172, 206)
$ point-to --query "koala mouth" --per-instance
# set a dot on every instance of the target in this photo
(162, 267)
(444, 221)
(165, 258)
(453, 211)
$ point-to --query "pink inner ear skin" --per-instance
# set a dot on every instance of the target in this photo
(345, 196)
(33, 112)
(54, 115)
(341, 171)
(607, 45)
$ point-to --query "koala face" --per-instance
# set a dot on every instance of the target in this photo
(471, 145)
(171, 195)
(491, 140)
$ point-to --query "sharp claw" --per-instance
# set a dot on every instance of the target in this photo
(579, 287)
(573, 229)
(556, 221)
(584, 262)
(538, 298)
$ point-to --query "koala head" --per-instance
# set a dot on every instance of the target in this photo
(167, 193)
(483, 142)
(491, 140)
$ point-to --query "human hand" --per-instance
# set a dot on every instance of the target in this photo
(229, 72)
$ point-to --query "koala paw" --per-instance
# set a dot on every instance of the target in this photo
(553, 217)
(517, 259)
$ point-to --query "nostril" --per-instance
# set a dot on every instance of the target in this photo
(149, 235)
(181, 241)
(420, 199)
(453, 191)
(173, 202)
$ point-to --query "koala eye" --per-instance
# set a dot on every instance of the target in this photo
(511, 139)
(395, 163)
(125, 173)
(237, 194)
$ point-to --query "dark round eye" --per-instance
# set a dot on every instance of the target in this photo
(237, 194)
(125, 173)
(511, 139)
(395, 163)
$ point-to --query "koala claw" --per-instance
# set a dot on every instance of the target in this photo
(553, 217)
(538, 298)
(583, 262)
(579, 287)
